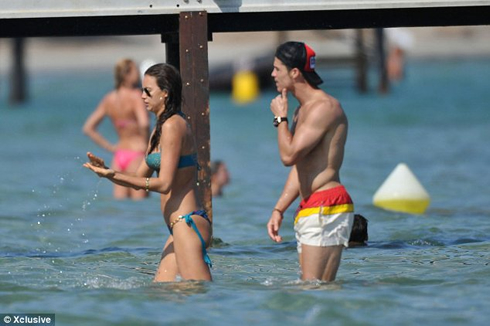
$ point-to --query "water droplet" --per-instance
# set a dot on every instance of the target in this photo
(43, 215)
(38, 222)
(68, 230)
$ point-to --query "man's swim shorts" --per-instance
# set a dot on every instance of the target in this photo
(325, 218)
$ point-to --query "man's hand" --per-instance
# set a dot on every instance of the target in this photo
(274, 225)
(279, 105)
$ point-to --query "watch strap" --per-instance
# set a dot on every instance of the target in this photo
(277, 120)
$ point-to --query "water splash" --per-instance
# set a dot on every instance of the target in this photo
(107, 282)
(268, 281)
(51, 231)
(92, 197)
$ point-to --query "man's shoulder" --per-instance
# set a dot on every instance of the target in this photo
(326, 104)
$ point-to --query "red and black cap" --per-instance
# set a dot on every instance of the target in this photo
(301, 56)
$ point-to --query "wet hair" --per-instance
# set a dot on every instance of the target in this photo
(121, 70)
(169, 80)
(359, 231)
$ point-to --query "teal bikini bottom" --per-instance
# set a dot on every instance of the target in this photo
(188, 219)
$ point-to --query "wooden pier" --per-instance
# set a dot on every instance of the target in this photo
(186, 26)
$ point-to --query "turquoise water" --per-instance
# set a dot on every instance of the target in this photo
(68, 248)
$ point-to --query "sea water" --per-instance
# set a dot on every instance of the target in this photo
(68, 248)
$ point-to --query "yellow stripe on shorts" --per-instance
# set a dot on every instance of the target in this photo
(329, 210)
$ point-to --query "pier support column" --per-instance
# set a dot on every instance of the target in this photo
(172, 48)
(381, 55)
(18, 84)
(361, 62)
(194, 68)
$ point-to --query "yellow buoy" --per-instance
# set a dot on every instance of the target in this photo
(402, 192)
(245, 87)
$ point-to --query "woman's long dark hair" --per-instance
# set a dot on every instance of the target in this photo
(168, 79)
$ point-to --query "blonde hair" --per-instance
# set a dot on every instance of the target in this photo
(121, 70)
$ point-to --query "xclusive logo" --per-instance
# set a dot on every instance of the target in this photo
(27, 319)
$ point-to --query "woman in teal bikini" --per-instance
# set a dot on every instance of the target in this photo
(172, 155)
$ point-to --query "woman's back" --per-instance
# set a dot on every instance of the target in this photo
(126, 110)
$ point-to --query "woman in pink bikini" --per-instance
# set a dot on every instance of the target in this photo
(128, 114)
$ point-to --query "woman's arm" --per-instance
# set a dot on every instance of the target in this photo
(90, 127)
(171, 141)
(136, 181)
(173, 132)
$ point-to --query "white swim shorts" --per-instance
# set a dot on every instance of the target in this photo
(325, 219)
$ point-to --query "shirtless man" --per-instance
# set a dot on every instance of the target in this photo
(314, 148)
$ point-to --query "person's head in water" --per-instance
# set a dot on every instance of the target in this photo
(126, 74)
(359, 233)
(220, 177)
(295, 62)
(162, 94)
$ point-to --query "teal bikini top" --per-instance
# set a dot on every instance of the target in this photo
(153, 161)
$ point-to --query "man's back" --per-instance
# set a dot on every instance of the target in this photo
(319, 168)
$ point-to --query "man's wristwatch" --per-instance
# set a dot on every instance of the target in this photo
(277, 121)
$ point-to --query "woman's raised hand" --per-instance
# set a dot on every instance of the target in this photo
(97, 165)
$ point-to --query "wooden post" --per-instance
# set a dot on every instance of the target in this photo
(193, 40)
(383, 74)
(172, 49)
(361, 62)
(18, 92)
